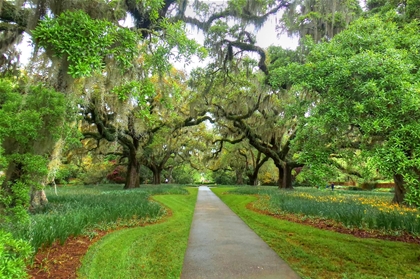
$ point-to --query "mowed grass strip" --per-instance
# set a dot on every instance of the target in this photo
(155, 251)
(316, 253)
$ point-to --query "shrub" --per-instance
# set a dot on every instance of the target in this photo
(65, 173)
(223, 177)
(13, 256)
(95, 171)
(118, 175)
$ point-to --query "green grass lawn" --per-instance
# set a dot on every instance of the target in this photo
(155, 251)
(316, 253)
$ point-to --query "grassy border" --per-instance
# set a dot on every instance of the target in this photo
(316, 253)
(155, 251)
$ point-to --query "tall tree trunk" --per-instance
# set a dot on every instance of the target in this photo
(252, 178)
(399, 193)
(133, 173)
(156, 175)
(170, 178)
(285, 176)
(239, 177)
(281, 175)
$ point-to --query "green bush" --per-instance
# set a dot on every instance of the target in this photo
(13, 257)
(224, 178)
(65, 173)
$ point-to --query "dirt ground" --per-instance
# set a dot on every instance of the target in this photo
(62, 261)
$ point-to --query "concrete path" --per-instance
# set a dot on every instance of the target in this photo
(221, 245)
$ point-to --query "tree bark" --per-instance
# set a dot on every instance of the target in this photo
(133, 173)
(285, 176)
(38, 198)
(253, 178)
(399, 193)
(281, 175)
(156, 175)
(170, 178)
(239, 177)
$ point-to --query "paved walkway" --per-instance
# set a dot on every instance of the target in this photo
(221, 245)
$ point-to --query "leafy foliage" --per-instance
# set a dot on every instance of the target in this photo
(86, 42)
(366, 85)
(28, 123)
(117, 175)
(14, 254)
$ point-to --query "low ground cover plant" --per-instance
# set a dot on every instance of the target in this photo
(367, 210)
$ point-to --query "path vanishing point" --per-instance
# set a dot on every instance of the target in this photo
(221, 246)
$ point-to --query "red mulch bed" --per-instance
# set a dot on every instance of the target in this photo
(61, 261)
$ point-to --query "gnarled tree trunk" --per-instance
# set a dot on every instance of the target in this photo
(239, 177)
(253, 178)
(133, 173)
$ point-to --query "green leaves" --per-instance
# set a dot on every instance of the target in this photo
(86, 42)
(14, 254)
(172, 44)
(366, 82)
(32, 118)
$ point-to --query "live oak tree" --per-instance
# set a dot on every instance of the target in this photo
(67, 67)
(366, 80)
(240, 98)
(82, 38)
(268, 112)
(242, 158)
